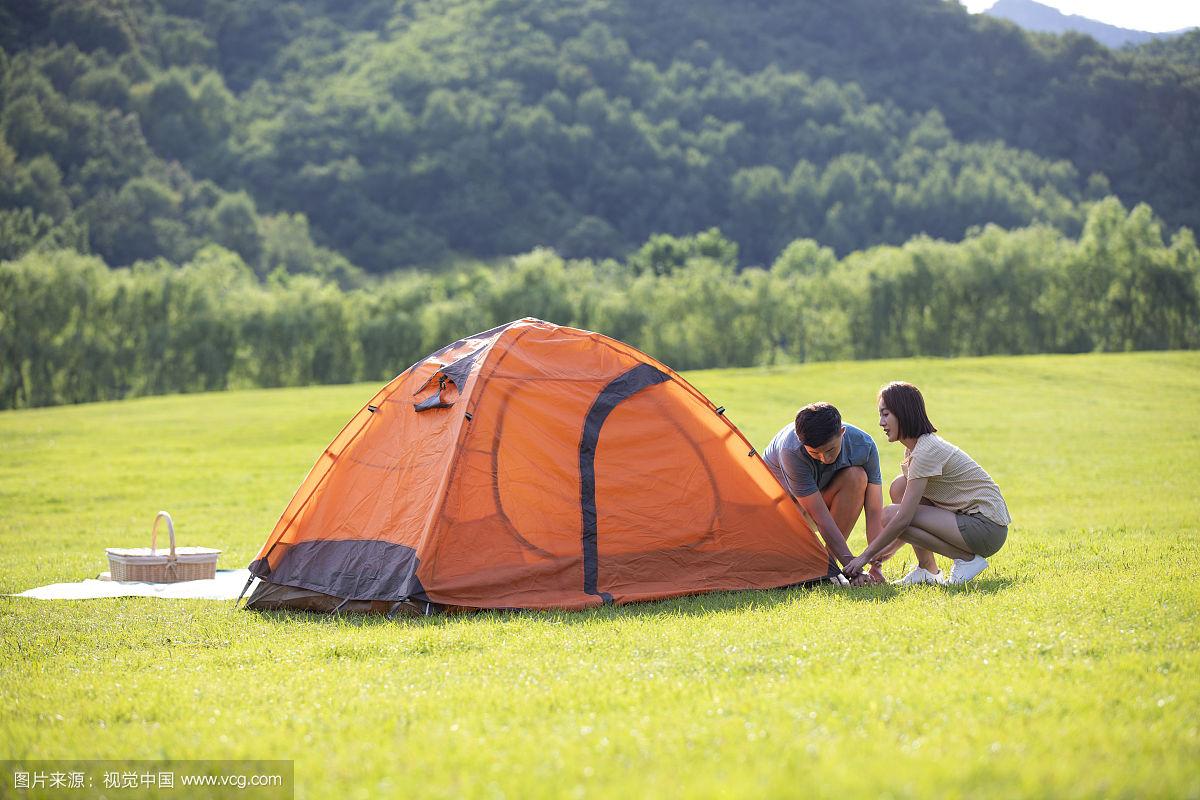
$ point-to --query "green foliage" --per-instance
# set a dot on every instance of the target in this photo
(1183, 49)
(420, 132)
(804, 257)
(73, 331)
(287, 248)
(663, 254)
(235, 226)
(21, 230)
(75, 150)
(90, 25)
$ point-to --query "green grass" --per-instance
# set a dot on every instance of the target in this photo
(1068, 669)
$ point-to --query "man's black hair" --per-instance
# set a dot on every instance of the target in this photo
(817, 423)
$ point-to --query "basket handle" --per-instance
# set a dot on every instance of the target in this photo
(170, 531)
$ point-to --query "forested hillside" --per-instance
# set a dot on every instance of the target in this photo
(311, 135)
(205, 195)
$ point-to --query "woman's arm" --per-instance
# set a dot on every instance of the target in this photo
(873, 506)
(896, 519)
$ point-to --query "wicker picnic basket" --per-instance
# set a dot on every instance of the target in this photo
(148, 565)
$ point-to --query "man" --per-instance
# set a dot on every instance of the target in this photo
(833, 472)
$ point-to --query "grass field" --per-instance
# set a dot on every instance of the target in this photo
(1068, 669)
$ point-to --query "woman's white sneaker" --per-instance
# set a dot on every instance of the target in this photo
(963, 571)
(921, 575)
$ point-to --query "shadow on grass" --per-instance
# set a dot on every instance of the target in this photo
(688, 606)
(887, 592)
(698, 605)
(984, 585)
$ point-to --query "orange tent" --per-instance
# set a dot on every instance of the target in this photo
(534, 466)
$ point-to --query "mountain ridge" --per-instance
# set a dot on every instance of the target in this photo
(1040, 18)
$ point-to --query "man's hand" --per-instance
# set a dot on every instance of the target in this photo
(855, 567)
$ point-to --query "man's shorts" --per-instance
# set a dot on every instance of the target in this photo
(983, 536)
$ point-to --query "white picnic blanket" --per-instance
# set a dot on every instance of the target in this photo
(226, 586)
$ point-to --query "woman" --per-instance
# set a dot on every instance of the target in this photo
(943, 502)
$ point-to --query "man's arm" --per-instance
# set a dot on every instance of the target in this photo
(801, 483)
(814, 504)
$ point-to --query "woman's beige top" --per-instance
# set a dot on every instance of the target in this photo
(954, 481)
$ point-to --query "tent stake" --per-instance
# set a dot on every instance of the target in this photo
(243, 594)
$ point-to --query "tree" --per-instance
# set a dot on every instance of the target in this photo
(235, 226)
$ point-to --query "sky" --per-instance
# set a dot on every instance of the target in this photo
(1138, 15)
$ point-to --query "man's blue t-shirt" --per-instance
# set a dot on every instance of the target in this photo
(803, 475)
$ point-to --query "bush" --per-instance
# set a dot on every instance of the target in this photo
(72, 330)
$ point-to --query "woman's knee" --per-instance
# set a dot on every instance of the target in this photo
(896, 490)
